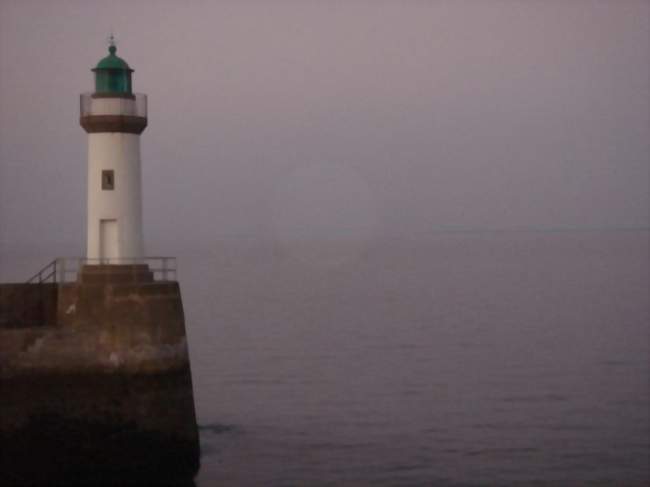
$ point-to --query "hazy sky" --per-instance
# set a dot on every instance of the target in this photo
(358, 118)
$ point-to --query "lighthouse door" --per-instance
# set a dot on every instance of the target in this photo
(108, 247)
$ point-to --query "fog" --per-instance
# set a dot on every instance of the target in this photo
(356, 119)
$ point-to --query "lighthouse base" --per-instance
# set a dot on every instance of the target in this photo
(101, 391)
(115, 273)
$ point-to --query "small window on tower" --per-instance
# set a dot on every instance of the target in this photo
(108, 179)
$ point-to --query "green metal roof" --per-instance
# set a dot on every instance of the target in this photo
(112, 61)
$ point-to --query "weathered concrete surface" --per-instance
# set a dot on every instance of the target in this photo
(102, 328)
(107, 388)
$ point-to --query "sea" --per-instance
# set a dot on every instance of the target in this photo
(462, 358)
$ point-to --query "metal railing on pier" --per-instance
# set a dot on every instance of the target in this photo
(66, 269)
(46, 274)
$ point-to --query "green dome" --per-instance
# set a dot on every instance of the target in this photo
(112, 61)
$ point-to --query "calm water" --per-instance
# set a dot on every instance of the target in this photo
(461, 359)
(465, 359)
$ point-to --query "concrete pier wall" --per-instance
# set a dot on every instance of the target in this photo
(103, 385)
(107, 328)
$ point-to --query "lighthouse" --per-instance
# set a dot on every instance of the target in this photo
(114, 117)
(112, 364)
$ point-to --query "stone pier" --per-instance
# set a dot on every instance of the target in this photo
(96, 381)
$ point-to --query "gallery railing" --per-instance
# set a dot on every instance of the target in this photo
(97, 104)
(66, 269)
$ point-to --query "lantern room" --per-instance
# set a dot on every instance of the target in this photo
(113, 75)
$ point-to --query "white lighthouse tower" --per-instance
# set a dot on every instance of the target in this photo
(114, 117)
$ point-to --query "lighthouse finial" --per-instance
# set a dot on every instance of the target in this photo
(111, 43)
